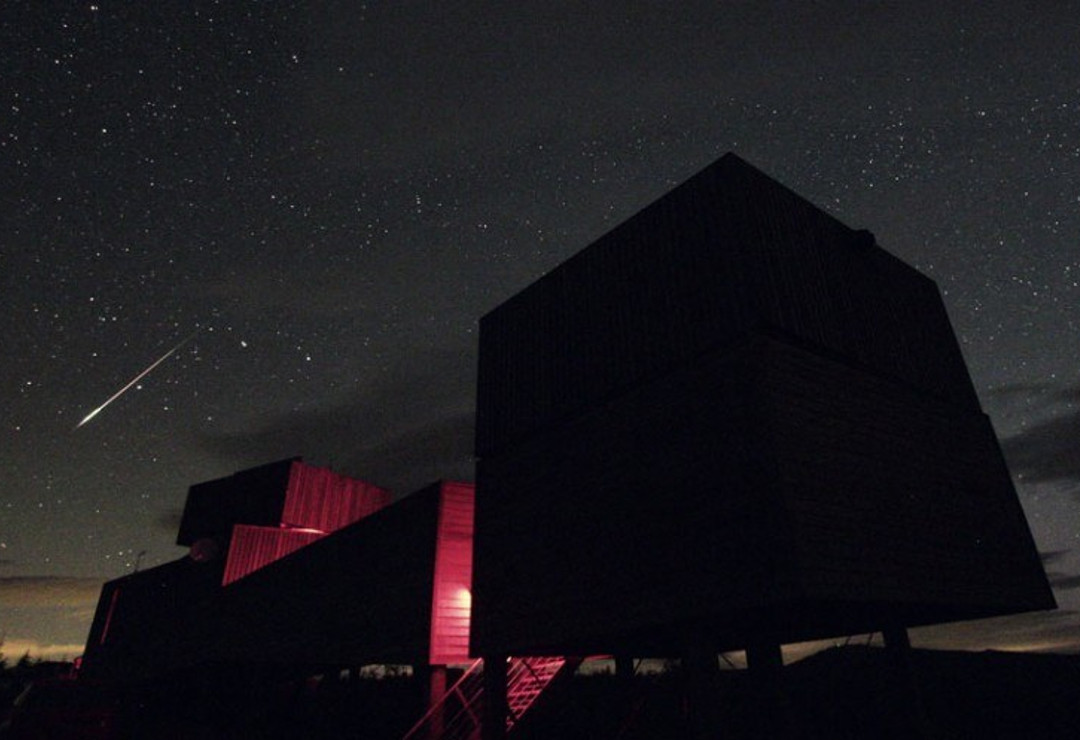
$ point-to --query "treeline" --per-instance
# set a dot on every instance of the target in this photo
(14, 677)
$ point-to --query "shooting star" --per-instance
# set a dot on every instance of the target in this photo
(137, 378)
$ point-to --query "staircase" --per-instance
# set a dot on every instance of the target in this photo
(457, 716)
(526, 679)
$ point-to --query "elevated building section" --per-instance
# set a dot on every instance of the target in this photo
(252, 548)
(733, 421)
(392, 587)
(730, 252)
(136, 614)
(287, 493)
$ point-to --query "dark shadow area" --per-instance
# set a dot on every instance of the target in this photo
(847, 692)
(850, 692)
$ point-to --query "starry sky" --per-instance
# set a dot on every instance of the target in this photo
(323, 198)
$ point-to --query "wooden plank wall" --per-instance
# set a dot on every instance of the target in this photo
(253, 496)
(252, 548)
(318, 498)
(654, 508)
(729, 252)
(894, 497)
(452, 596)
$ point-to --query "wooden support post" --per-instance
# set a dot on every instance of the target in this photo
(495, 708)
(625, 689)
(764, 658)
(771, 712)
(896, 639)
(700, 666)
(436, 692)
(624, 674)
(912, 709)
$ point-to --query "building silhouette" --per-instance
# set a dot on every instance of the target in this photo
(294, 569)
(732, 422)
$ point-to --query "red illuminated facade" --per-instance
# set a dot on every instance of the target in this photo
(313, 569)
(317, 501)
(320, 499)
(731, 422)
(252, 548)
(451, 606)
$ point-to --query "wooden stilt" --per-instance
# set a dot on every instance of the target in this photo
(494, 722)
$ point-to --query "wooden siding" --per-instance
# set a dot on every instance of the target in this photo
(359, 595)
(649, 510)
(728, 252)
(763, 490)
(252, 548)
(253, 496)
(452, 597)
(318, 498)
(735, 418)
(286, 492)
(139, 614)
(894, 498)
(362, 594)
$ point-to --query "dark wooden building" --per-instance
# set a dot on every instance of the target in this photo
(733, 420)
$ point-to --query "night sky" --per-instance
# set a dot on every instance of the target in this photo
(324, 198)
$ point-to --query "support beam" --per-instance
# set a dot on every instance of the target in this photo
(764, 658)
(624, 676)
(700, 666)
(896, 639)
(913, 709)
(771, 711)
(495, 709)
(436, 691)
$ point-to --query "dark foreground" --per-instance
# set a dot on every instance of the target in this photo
(851, 692)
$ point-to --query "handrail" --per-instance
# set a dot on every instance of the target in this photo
(466, 701)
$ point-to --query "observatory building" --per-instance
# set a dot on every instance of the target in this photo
(296, 571)
(294, 567)
(731, 422)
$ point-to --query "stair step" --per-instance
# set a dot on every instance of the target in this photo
(527, 678)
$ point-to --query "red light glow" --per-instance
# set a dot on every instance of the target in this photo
(452, 599)
(320, 499)
(317, 502)
(252, 548)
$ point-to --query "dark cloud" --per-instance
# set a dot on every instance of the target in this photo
(402, 462)
(1048, 450)
(169, 520)
(412, 427)
(1051, 556)
(1061, 582)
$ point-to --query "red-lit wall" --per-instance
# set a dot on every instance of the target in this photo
(318, 498)
(452, 593)
(317, 502)
(254, 547)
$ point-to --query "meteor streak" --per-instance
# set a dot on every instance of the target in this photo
(137, 378)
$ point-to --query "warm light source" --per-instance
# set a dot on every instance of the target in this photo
(451, 608)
